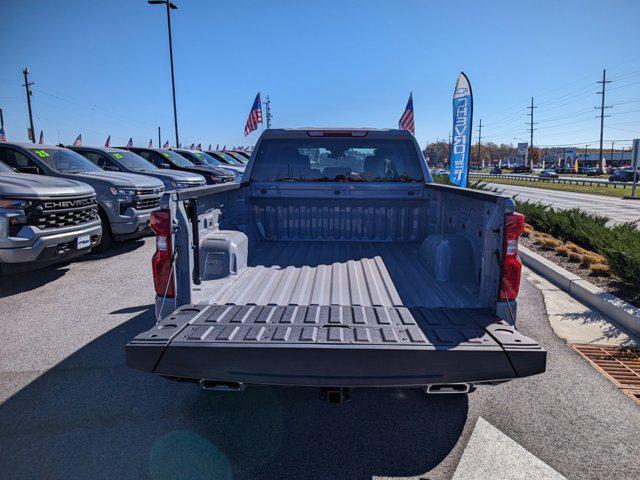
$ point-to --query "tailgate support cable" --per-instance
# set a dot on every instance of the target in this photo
(195, 231)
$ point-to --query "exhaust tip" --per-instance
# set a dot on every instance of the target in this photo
(449, 388)
(221, 386)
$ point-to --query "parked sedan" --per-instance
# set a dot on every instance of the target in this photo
(548, 174)
(227, 158)
(496, 171)
(119, 160)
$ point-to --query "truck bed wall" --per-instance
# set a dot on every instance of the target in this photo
(405, 213)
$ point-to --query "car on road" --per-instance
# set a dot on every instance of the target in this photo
(44, 220)
(168, 159)
(119, 160)
(521, 168)
(624, 175)
(496, 171)
(338, 263)
(125, 200)
(593, 172)
(204, 159)
(441, 171)
(548, 174)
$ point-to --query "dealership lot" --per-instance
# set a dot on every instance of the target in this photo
(72, 410)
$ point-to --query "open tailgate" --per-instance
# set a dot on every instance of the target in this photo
(335, 346)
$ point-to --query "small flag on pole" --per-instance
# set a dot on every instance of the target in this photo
(255, 116)
(209, 148)
(150, 143)
(3, 136)
(166, 145)
(199, 147)
(41, 141)
(217, 146)
(224, 149)
(78, 141)
(107, 142)
(130, 142)
(406, 120)
(192, 147)
(576, 167)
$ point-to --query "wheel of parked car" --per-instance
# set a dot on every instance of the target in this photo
(107, 236)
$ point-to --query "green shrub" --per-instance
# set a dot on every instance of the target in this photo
(619, 244)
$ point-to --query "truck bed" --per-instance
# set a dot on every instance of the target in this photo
(336, 273)
(331, 345)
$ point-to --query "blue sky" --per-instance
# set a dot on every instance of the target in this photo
(101, 67)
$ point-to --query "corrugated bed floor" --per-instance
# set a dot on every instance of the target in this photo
(335, 273)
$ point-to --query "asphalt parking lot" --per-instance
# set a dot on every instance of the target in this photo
(70, 408)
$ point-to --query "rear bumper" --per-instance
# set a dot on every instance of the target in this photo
(50, 248)
(335, 346)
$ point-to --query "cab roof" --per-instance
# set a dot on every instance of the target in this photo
(313, 132)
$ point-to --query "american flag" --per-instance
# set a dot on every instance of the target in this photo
(166, 145)
(150, 143)
(41, 141)
(199, 147)
(255, 116)
(406, 120)
(209, 149)
(78, 141)
(217, 146)
(224, 149)
(107, 143)
(130, 142)
(3, 136)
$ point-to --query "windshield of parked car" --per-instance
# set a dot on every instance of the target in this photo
(337, 160)
(133, 161)
(237, 157)
(176, 158)
(65, 161)
(229, 159)
(205, 159)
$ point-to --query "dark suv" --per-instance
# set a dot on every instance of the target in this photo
(164, 158)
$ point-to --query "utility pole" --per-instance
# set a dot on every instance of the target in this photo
(159, 139)
(479, 140)
(531, 124)
(604, 82)
(26, 85)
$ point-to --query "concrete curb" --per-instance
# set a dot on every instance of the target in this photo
(621, 312)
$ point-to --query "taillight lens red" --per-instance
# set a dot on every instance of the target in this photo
(511, 264)
(163, 279)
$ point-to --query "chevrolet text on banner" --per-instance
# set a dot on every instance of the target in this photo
(461, 144)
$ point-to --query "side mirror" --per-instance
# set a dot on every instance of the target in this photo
(111, 168)
(30, 169)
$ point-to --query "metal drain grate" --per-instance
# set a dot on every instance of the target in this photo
(621, 366)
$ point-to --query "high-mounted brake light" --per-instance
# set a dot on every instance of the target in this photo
(337, 133)
(511, 264)
(161, 262)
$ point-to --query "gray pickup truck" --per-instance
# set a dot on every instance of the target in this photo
(125, 200)
(337, 263)
(44, 220)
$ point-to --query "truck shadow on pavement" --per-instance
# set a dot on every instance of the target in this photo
(91, 417)
(21, 282)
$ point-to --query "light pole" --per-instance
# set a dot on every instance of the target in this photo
(170, 6)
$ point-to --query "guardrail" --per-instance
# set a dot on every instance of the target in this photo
(576, 181)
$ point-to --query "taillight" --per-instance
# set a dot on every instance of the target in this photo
(511, 264)
(161, 261)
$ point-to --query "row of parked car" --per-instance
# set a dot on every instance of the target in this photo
(58, 202)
